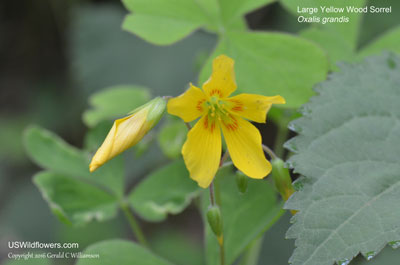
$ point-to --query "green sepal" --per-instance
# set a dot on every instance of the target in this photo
(241, 182)
(281, 177)
(215, 220)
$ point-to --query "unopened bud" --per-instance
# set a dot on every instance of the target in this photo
(214, 220)
(281, 176)
(128, 131)
(241, 181)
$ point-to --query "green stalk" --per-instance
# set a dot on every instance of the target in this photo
(137, 231)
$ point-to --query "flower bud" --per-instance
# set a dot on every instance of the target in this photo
(281, 176)
(128, 131)
(241, 181)
(215, 220)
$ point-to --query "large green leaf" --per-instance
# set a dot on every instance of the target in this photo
(176, 246)
(389, 41)
(341, 41)
(163, 22)
(335, 45)
(245, 216)
(114, 102)
(167, 190)
(226, 13)
(74, 201)
(273, 64)
(348, 149)
(348, 31)
(69, 168)
(120, 252)
(53, 153)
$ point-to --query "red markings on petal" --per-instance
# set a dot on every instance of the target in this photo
(199, 105)
(216, 92)
(232, 125)
(238, 105)
(209, 125)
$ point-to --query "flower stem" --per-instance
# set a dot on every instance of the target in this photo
(137, 231)
(218, 202)
(215, 198)
(271, 153)
(189, 127)
(211, 189)
(222, 253)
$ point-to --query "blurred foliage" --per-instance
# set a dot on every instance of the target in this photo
(245, 216)
(120, 252)
(113, 103)
(171, 243)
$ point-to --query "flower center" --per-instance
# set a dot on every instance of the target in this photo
(216, 108)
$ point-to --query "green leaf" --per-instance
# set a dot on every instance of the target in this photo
(389, 41)
(171, 138)
(339, 40)
(158, 30)
(96, 135)
(74, 201)
(231, 9)
(114, 102)
(178, 247)
(336, 47)
(347, 31)
(168, 190)
(348, 149)
(51, 152)
(67, 183)
(227, 13)
(273, 64)
(163, 22)
(245, 216)
(120, 252)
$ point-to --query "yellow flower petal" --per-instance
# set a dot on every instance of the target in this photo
(125, 133)
(189, 105)
(244, 145)
(202, 151)
(251, 106)
(222, 81)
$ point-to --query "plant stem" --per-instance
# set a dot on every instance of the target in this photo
(211, 189)
(221, 237)
(271, 153)
(189, 127)
(222, 253)
(215, 197)
(137, 231)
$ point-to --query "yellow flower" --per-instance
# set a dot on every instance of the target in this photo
(128, 131)
(218, 111)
